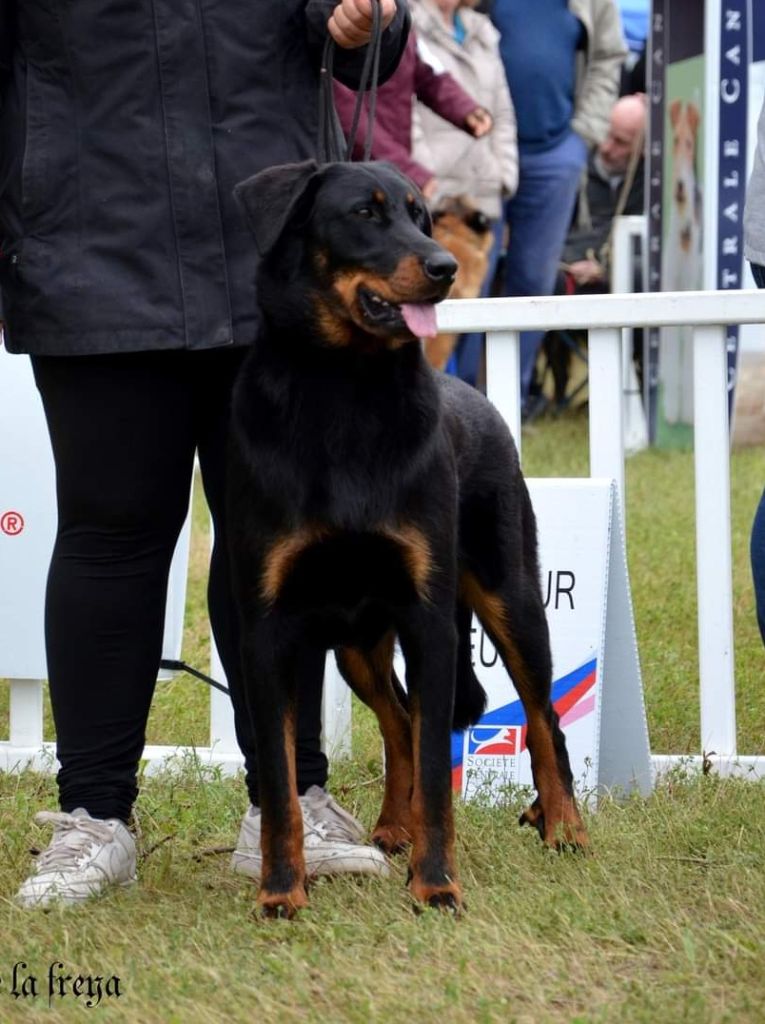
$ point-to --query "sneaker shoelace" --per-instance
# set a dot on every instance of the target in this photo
(73, 838)
(328, 821)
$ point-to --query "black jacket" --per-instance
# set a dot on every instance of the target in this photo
(123, 130)
(602, 200)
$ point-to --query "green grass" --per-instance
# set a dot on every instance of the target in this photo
(666, 922)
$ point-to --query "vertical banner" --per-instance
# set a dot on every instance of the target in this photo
(732, 160)
(658, 51)
(684, 195)
(707, 81)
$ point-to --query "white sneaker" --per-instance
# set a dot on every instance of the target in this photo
(84, 856)
(332, 841)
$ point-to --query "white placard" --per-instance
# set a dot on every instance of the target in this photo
(28, 528)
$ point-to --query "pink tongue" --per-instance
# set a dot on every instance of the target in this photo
(420, 318)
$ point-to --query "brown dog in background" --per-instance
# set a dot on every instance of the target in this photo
(466, 232)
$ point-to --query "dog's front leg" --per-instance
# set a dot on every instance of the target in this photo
(271, 677)
(429, 644)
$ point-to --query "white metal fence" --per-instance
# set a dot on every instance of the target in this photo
(606, 317)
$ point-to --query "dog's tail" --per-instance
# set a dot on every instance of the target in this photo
(470, 696)
(469, 700)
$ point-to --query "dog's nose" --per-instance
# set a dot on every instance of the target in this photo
(441, 267)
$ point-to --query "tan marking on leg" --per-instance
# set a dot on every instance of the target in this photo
(446, 894)
(562, 822)
(281, 557)
(369, 675)
(285, 904)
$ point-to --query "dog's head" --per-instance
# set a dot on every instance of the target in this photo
(685, 119)
(346, 250)
(459, 214)
(466, 232)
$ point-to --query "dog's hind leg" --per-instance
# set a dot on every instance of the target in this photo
(511, 610)
(274, 671)
(371, 677)
(513, 616)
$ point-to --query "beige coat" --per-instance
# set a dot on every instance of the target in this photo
(484, 169)
(598, 67)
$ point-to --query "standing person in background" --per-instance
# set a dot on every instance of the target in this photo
(485, 170)
(563, 59)
(416, 77)
(636, 17)
(754, 250)
(127, 274)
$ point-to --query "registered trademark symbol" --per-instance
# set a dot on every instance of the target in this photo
(11, 523)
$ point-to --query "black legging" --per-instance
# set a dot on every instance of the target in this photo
(124, 430)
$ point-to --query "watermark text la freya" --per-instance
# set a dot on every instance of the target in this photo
(55, 982)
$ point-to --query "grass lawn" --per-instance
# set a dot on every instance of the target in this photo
(665, 923)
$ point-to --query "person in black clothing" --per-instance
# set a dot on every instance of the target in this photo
(126, 273)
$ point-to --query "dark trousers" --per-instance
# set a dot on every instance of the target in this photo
(124, 431)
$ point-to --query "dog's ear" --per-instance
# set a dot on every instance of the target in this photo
(674, 111)
(271, 198)
(694, 117)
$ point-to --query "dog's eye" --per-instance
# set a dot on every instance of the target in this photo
(365, 212)
(418, 215)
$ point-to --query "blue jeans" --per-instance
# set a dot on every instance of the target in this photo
(539, 216)
(757, 543)
(466, 358)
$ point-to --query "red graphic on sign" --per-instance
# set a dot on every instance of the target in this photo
(11, 523)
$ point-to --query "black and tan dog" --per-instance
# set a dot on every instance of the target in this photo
(374, 499)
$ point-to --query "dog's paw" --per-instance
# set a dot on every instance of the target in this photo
(281, 905)
(568, 837)
(563, 831)
(534, 817)
(446, 897)
(392, 838)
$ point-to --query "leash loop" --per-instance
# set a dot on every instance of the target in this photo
(331, 148)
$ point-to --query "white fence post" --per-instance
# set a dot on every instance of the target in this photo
(623, 265)
(713, 542)
(26, 713)
(604, 346)
(503, 378)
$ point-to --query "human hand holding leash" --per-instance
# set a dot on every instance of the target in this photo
(351, 22)
(584, 272)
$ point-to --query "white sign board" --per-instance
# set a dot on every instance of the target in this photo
(28, 528)
(597, 689)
